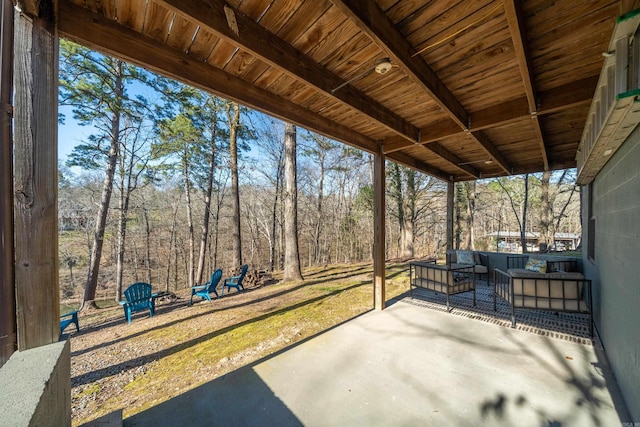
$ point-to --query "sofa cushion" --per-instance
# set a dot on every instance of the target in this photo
(480, 269)
(464, 257)
(537, 265)
(521, 273)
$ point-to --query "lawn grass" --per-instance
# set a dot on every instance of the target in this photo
(184, 347)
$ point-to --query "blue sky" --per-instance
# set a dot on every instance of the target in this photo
(70, 134)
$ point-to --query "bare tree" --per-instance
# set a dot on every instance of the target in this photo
(132, 163)
(519, 200)
(233, 117)
(292, 256)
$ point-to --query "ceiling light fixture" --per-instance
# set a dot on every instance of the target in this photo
(383, 66)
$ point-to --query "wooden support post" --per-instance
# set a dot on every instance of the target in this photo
(36, 174)
(379, 238)
(450, 194)
(7, 289)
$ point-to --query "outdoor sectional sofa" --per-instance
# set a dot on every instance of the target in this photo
(562, 289)
(447, 279)
(480, 262)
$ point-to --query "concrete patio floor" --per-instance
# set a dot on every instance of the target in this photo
(408, 366)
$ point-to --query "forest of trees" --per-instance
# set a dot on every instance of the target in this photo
(172, 183)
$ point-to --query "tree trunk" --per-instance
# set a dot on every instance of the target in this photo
(107, 189)
(123, 207)
(409, 216)
(187, 196)
(471, 209)
(459, 201)
(234, 121)
(319, 217)
(545, 210)
(397, 195)
(523, 227)
(207, 207)
(274, 215)
(292, 257)
(147, 258)
(172, 244)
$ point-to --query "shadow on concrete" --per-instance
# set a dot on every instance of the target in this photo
(148, 358)
(586, 381)
(239, 398)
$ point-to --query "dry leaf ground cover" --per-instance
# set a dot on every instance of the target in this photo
(133, 367)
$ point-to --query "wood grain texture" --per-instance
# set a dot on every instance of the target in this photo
(508, 81)
(35, 182)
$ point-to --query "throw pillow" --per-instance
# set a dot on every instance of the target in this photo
(464, 257)
(537, 265)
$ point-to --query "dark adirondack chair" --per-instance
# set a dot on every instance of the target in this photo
(138, 297)
(204, 291)
(235, 281)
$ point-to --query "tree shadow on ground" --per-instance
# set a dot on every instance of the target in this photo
(89, 377)
(203, 312)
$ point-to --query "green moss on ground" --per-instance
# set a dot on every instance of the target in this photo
(188, 346)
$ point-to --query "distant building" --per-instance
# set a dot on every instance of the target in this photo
(509, 241)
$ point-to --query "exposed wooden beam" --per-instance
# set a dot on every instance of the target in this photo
(491, 150)
(276, 52)
(454, 160)
(400, 143)
(28, 7)
(107, 36)
(567, 96)
(372, 21)
(411, 162)
(552, 101)
(513, 11)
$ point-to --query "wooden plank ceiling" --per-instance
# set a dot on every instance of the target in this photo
(477, 88)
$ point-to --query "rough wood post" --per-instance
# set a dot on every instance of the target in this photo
(36, 173)
(379, 230)
(450, 191)
(7, 287)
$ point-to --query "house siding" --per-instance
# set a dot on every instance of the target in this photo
(615, 269)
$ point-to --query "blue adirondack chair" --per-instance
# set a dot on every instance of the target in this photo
(204, 291)
(235, 281)
(138, 297)
(69, 318)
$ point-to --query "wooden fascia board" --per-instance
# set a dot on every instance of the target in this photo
(552, 167)
(372, 20)
(107, 36)
(413, 163)
(279, 54)
(513, 11)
